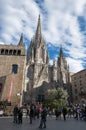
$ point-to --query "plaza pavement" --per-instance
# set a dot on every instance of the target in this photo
(6, 123)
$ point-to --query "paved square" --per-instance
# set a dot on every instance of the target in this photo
(52, 124)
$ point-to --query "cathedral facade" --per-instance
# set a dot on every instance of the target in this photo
(40, 75)
(26, 79)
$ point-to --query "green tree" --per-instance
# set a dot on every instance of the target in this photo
(57, 96)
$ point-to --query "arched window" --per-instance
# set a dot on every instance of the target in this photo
(10, 52)
(14, 68)
(2, 51)
(19, 52)
(14, 52)
(6, 52)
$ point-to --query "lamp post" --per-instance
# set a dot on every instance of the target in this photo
(20, 98)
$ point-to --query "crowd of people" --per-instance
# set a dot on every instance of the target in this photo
(40, 111)
(75, 111)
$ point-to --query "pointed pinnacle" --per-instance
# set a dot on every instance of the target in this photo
(61, 51)
(38, 31)
(21, 40)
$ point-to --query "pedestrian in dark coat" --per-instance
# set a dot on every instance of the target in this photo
(20, 114)
(64, 111)
(15, 114)
(31, 113)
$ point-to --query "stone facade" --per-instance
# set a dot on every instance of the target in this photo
(40, 76)
(12, 69)
(79, 86)
(33, 75)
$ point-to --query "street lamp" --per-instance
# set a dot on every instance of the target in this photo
(20, 96)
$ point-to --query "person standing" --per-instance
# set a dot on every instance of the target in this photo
(15, 114)
(64, 111)
(43, 118)
(31, 113)
(20, 114)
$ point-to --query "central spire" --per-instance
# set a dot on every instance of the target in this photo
(38, 31)
(61, 51)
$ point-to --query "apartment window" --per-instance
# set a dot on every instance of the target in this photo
(80, 82)
(74, 78)
(76, 98)
(76, 91)
(14, 68)
(80, 76)
(75, 85)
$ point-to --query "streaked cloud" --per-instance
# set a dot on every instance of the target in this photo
(63, 22)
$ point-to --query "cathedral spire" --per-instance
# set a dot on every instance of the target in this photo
(21, 40)
(61, 51)
(38, 31)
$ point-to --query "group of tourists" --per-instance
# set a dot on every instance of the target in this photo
(33, 112)
(77, 112)
(36, 112)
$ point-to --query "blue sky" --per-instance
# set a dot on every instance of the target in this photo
(63, 23)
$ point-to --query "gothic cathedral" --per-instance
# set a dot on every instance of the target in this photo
(41, 76)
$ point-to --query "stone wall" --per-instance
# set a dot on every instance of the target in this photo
(7, 78)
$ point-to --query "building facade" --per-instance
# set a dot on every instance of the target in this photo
(40, 76)
(12, 69)
(24, 80)
(78, 81)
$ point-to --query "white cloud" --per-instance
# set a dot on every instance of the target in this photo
(60, 24)
(2, 43)
(75, 65)
(51, 62)
(17, 17)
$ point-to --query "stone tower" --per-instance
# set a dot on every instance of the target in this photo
(63, 69)
(12, 69)
(41, 76)
(37, 61)
(63, 74)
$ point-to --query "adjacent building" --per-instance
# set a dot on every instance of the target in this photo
(12, 69)
(78, 81)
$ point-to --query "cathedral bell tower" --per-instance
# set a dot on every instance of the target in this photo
(37, 52)
(37, 61)
(62, 69)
